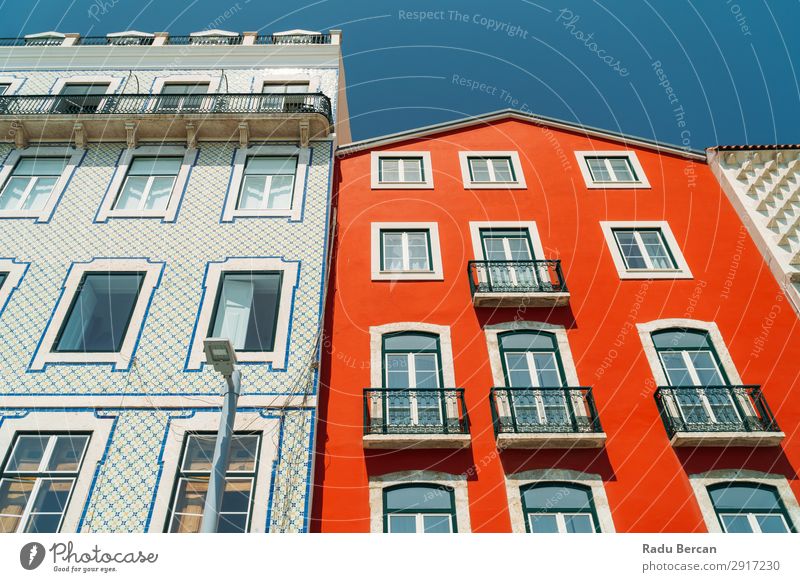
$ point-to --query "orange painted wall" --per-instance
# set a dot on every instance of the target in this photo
(646, 480)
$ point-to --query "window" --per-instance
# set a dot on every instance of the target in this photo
(611, 169)
(100, 314)
(76, 98)
(3, 277)
(749, 508)
(645, 250)
(31, 183)
(246, 311)
(689, 359)
(177, 97)
(509, 253)
(558, 508)
(268, 183)
(192, 484)
(249, 301)
(4, 87)
(419, 509)
(11, 273)
(287, 87)
(401, 170)
(491, 170)
(37, 481)
(148, 184)
(406, 251)
(412, 369)
(9, 85)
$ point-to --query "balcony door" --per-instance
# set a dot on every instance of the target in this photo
(413, 375)
(689, 359)
(81, 97)
(531, 360)
(510, 254)
(182, 97)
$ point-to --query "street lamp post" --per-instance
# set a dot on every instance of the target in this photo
(220, 353)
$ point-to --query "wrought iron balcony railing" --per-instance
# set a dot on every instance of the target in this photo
(115, 40)
(542, 276)
(293, 39)
(714, 409)
(415, 411)
(544, 410)
(137, 104)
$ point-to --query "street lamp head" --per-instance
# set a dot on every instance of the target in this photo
(220, 354)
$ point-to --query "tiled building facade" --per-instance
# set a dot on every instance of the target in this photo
(238, 101)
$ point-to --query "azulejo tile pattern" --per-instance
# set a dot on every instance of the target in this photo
(125, 481)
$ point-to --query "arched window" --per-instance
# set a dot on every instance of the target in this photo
(688, 358)
(531, 360)
(558, 508)
(419, 508)
(412, 370)
(749, 508)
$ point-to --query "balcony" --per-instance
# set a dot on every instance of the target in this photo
(423, 418)
(517, 283)
(546, 418)
(132, 117)
(717, 416)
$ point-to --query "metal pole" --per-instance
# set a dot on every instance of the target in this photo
(222, 449)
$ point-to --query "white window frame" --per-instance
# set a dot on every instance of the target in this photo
(73, 157)
(158, 85)
(66, 421)
(515, 481)
(120, 360)
(14, 273)
(681, 272)
(475, 229)
(646, 329)
(114, 83)
(375, 164)
(458, 483)
(295, 212)
(436, 272)
(516, 165)
(168, 214)
(211, 282)
(207, 420)
(700, 483)
(14, 84)
(583, 164)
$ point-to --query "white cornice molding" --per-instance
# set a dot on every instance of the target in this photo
(35, 58)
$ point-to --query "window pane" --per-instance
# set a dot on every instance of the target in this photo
(184, 88)
(27, 455)
(43, 523)
(160, 191)
(191, 496)
(40, 167)
(418, 498)
(253, 193)
(502, 170)
(12, 194)
(247, 310)
(84, 89)
(236, 498)
(67, 453)
(631, 253)
(280, 195)
(186, 523)
(771, 524)
(681, 339)
(436, 523)
(528, 341)
(656, 250)
(99, 315)
(706, 368)
(3, 277)
(392, 251)
(519, 375)
(155, 166)
(52, 496)
(402, 524)
(480, 170)
(556, 497)
(427, 369)
(397, 371)
(418, 251)
(741, 497)
(543, 523)
(132, 193)
(579, 523)
(39, 194)
(547, 370)
(389, 170)
(243, 453)
(412, 170)
(410, 342)
(736, 524)
(232, 523)
(271, 165)
(3, 88)
(14, 495)
(199, 453)
(598, 170)
(622, 169)
(676, 370)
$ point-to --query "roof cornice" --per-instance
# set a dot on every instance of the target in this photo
(487, 118)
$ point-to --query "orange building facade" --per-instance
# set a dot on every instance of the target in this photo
(538, 327)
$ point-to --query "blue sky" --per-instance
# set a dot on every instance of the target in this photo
(694, 73)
